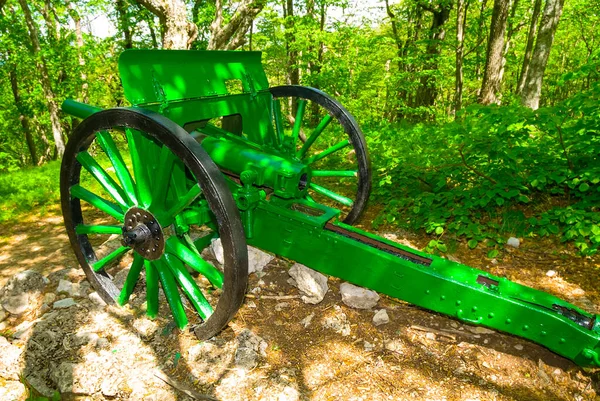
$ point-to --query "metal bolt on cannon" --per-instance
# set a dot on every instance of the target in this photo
(208, 150)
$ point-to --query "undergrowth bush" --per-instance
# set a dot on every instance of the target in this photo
(29, 189)
(495, 171)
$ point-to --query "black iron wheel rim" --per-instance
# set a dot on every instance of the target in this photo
(355, 137)
(210, 180)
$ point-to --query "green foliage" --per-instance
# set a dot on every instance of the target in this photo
(496, 172)
(29, 190)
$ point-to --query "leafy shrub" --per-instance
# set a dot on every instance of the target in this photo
(495, 171)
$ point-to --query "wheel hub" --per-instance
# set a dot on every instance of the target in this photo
(143, 234)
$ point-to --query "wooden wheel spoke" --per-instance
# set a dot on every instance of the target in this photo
(109, 147)
(160, 186)
(192, 259)
(332, 195)
(151, 289)
(136, 148)
(171, 292)
(109, 258)
(189, 286)
(278, 121)
(335, 173)
(335, 148)
(131, 280)
(184, 201)
(102, 204)
(298, 120)
(314, 135)
(113, 189)
(97, 229)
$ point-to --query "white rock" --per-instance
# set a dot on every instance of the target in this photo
(64, 286)
(368, 346)
(145, 327)
(64, 303)
(514, 242)
(49, 298)
(479, 330)
(306, 321)
(23, 328)
(338, 322)
(13, 390)
(217, 250)
(26, 281)
(281, 305)
(257, 259)
(17, 304)
(551, 273)
(9, 360)
(519, 347)
(102, 343)
(250, 346)
(68, 288)
(3, 315)
(381, 317)
(313, 284)
(358, 297)
(97, 299)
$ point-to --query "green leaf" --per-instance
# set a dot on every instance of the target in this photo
(523, 198)
(493, 253)
(472, 243)
(499, 201)
(442, 247)
(439, 230)
(584, 187)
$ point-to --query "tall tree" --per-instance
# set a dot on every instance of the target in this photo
(461, 23)
(532, 90)
(492, 77)
(123, 23)
(46, 86)
(427, 91)
(178, 32)
(232, 35)
(535, 16)
(23, 117)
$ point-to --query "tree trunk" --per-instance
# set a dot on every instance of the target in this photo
(293, 77)
(511, 29)
(77, 20)
(179, 33)
(537, 6)
(533, 82)
(46, 86)
(123, 23)
(427, 91)
(480, 39)
(233, 34)
(461, 23)
(492, 79)
(23, 118)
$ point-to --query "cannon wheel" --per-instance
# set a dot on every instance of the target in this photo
(351, 173)
(146, 182)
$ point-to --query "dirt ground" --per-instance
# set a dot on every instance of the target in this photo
(417, 355)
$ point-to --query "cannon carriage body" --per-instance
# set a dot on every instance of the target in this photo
(206, 152)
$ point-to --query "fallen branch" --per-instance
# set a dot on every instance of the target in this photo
(275, 297)
(177, 386)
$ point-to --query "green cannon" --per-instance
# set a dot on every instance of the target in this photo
(208, 151)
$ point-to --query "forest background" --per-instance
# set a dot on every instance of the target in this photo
(481, 116)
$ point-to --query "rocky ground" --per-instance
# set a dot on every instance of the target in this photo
(298, 336)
